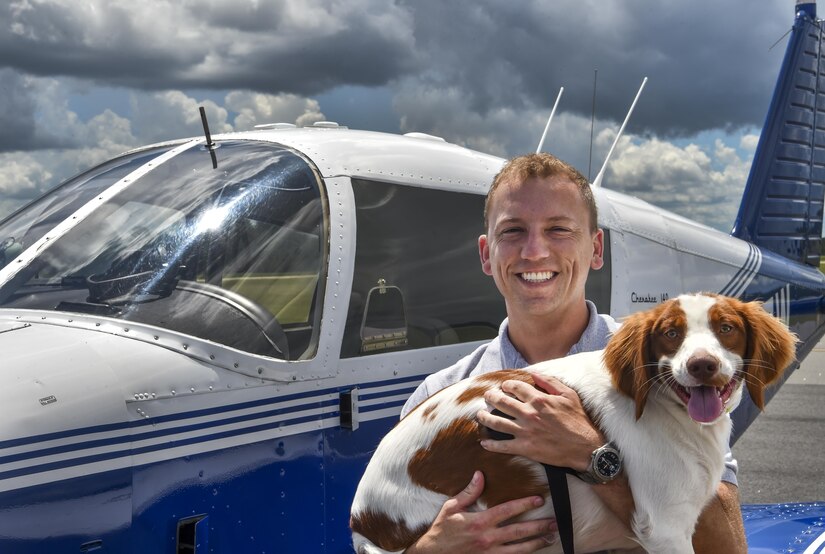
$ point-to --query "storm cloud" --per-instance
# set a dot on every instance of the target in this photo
(708, 61)
(296, 46)
(483, 74)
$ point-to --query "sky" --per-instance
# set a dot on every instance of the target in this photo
(84, 80)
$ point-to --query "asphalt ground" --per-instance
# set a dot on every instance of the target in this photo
(782, 454)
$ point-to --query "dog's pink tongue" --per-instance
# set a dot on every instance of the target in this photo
(704, 405)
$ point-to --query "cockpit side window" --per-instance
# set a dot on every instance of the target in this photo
(417, 280)
(234, 254)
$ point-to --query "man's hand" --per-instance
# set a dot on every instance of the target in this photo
(552, 427)
(549, 427)
(457, 530)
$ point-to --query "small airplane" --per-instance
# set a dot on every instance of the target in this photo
(204, 340)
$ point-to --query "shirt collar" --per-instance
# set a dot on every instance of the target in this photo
(512, 358)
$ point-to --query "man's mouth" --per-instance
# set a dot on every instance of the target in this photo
(538, 276)
(705, 403)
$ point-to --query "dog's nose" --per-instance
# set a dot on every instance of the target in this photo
(702, 366)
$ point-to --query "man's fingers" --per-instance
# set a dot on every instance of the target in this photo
(488, 528)
(528, 547)
(471, 492)
(550, 385)
(534, 529)
(527, 536)
(500, 446)
(496, 422)
(512, 508)
(507, 404)
(521, 390)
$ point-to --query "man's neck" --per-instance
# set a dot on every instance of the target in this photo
(538, 339)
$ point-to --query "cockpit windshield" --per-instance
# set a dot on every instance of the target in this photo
(233, 254)
(30, 223)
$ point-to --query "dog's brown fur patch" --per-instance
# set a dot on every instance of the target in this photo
(385, 532)
(429, 412)
(447, 466)
(485, 382)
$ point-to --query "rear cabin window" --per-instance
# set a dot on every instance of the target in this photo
(418, 280)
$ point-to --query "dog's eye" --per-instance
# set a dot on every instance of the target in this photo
(725, 328)
(672, 334)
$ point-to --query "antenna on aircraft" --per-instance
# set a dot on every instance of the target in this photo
(546, 127)
(597, 182)
(592, 122)
(209, 144)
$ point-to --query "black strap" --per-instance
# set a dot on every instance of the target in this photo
(557, 479)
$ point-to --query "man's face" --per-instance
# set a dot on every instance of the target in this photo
(539, 247)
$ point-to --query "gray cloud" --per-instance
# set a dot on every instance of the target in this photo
(483, 74)
(158, 116)
(703, 185)
(708, 61)
(293, 46)
(34, 114)
(16, 112)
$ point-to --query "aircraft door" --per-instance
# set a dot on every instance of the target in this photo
(419, 301)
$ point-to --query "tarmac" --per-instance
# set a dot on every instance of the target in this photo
(782, 454)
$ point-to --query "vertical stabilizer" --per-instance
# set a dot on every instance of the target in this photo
(781, 208)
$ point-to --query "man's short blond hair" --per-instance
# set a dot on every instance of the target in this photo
(542, 165)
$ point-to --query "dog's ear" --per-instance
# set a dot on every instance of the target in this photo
(771, 348)
(627, 356)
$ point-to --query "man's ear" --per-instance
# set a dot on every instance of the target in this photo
(484, 255)
(598, 250)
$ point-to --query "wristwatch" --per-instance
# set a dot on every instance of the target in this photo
(605, 465)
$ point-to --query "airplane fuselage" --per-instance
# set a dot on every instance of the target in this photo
(128, 429)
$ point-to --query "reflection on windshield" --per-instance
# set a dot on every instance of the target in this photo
(233, 254)
(30, 223)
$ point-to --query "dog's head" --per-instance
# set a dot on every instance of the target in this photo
(699, 349)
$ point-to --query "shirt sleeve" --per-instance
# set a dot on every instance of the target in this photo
(446, 377)
(417, 397)
(731, 467)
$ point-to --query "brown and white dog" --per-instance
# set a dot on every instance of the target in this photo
(661, 391)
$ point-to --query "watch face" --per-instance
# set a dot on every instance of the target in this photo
(608, 464)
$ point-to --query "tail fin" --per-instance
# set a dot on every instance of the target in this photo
(781, 208)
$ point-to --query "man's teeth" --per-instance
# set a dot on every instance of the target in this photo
(538, 276)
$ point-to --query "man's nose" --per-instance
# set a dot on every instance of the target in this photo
(535, 247)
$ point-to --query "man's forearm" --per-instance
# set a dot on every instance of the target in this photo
(618, 497)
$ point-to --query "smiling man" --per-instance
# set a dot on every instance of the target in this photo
(542, 240)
